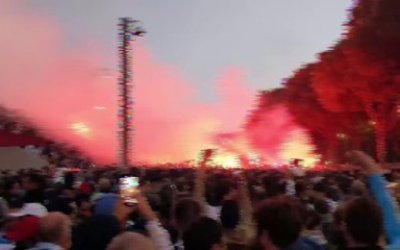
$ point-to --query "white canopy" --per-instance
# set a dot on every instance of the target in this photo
(15, 158)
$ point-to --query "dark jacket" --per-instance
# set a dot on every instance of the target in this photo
(95, 233)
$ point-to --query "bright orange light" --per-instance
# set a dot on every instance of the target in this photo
(80, 128)
(226, 160)
(299, 146)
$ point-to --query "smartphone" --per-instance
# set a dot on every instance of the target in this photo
(128, 187)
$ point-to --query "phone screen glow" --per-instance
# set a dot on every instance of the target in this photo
(128, 188)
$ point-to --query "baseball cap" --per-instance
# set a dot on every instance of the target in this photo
(24, 229)
(33, 209)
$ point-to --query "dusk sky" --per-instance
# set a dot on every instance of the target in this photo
(197, 70)
(267, 38)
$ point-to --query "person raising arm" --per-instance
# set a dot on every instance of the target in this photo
(382, 196)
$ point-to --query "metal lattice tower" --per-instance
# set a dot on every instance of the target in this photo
(128, 30)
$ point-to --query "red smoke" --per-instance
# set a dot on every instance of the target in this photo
(67, 95)
(64, 92)
(271, 132)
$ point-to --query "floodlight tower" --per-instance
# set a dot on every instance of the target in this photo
(128, 31)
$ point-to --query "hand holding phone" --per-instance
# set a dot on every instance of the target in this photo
(128, 187)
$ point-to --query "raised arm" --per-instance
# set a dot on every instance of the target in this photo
(199, 186)
(246, 209)
(382, 196)
(201, 175)
(157, 233)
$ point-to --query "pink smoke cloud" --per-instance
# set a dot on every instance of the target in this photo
(64, 92)
(269, 135)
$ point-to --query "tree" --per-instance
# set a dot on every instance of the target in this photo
(349, 78)
(354, 88)
(330, 128)
(374, 25)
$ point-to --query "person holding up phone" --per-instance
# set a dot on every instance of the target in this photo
(157, 233)
(128, 187)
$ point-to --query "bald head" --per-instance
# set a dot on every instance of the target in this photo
(55, 228)
(131, 241)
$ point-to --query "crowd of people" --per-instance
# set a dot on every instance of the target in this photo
(201, 209)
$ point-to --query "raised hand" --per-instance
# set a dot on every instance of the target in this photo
(144, 207)
(364, 160)
(206, 157)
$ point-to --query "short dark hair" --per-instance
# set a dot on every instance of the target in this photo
(9, 184)
(185, 211)
(202, 234)
(363, 220)
(273, 186)
(230, 214)
(300, 187)
(281, 218)
(313, 219)
(321, 206)
(332, 193)
(217, 191)
(36, 179)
